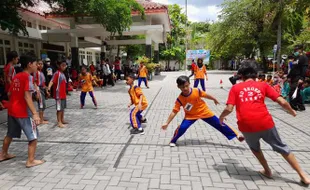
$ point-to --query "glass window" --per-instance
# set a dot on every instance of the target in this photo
(48, 28)
(40, 27)
(43, 27)
(31, 45)
(20, 44)
(1, 41)
(7, 42)
(25, 45)
(29, 24)
(1, 56)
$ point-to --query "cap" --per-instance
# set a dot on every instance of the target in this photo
(47, 60)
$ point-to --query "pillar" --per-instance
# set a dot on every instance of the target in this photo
(75, 63)
(156, 53)
(103, 51)
(148, 47)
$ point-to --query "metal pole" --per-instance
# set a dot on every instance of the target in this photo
(185, 64)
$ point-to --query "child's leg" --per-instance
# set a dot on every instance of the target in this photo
(202, 83)
(82, 98)
(139, 81)
(229, 132)
(134, 118)
(91, 93)
(290, 158)
(181, 129)
(196, 83)
(145, 82)
(59, 119)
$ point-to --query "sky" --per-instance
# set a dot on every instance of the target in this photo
(198, 10)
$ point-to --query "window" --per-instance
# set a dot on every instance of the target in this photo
(48, 28)
(40, 27)
(25, 47)
(5, 47)
(1, 41)
(29, 24)
(7, 42)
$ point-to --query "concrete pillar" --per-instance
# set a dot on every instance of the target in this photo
(148, 46)
(75, 63)
(156, 53)
(103, 51)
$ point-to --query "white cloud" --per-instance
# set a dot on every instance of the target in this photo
(196, 13)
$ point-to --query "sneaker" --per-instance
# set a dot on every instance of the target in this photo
(138, 131)
(172, 145)
(82, 107)
(143, 120)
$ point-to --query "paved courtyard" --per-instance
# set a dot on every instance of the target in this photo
(97, 151)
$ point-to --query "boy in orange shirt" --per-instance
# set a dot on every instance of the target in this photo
(86, 81)
(138, 99)
(200, 71)
(142, 75)
(195, 108)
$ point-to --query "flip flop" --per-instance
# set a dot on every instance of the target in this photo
(263, 174)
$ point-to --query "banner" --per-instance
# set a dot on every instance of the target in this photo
(195, 54)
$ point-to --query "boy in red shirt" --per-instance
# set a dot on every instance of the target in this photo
(9, 70)
(59, 82)
(39, 80)
(195, 108)
(22, 114)
(254, 120)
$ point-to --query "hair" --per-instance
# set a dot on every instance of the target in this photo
(248, 70)
(26, 59)
(39, 60)
(60, 62)
(307, 81)
(132, 77)
(83, 66)
(200, 60)
(181, 80)
(107, 60)
(269, 76)
(11, 55)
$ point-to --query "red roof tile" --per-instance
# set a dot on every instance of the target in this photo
(43, 8)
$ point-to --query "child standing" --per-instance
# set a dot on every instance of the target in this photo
(200, 71)
(138, 99)
(9, 70)
(306, 92)
(39, 80)
(195, 108)
(86, 81)
(22, 114)
(59, 82)
(269, 80)
(285, 90)
(143, 75)
(254, 120)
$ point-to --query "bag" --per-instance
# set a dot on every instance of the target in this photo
(295, 93)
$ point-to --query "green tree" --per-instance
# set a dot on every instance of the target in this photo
(199, 31)
(174, 49)
(114, 15)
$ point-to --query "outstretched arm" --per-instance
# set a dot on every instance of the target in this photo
(229, 108)
(170, 118)
(208, 96)
(285, 105)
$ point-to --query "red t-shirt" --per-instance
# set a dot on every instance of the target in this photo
(193, 66)
(21, 83)
(117, 65)
(59, 85)
(252, 113)
(9, 71)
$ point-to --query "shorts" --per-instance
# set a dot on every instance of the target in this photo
(270, 136)
(61, 105)
(16, 125)
(42, 101)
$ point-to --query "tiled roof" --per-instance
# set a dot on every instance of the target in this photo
(42, 7)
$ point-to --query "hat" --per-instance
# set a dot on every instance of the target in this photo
(47, 60)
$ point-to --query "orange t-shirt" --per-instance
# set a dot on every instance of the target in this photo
(86, 82)
(193, 106)
(200, 72)
(135, 92)
(270, 82)
(143, 72)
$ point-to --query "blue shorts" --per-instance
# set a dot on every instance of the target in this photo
(16, 125)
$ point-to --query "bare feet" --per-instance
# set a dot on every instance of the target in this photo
(305, 181)
(34, 163)
(61, 125)
(240, 138)
(266, 174)
(44, 122)
(64, 122)
(4, 157)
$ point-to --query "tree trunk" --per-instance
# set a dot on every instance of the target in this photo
(279, 34)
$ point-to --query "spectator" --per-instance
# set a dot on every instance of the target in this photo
(297, 76)
(9, 70)
(193, 66)
(117, 67)
(306, 92)
(106, 73)
(92, 68)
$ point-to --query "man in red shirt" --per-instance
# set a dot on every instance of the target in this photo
(9, 70)
(254, 120)
(59, 91)
(193, 66)
(22, 114)
(117, 68)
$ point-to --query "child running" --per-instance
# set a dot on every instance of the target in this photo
(143, 75)
(59, 91)
(195, 108)
(22, 114)
(200, 72)
(39, 80)
(86, 81)
(254, 120)
(138, 99)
